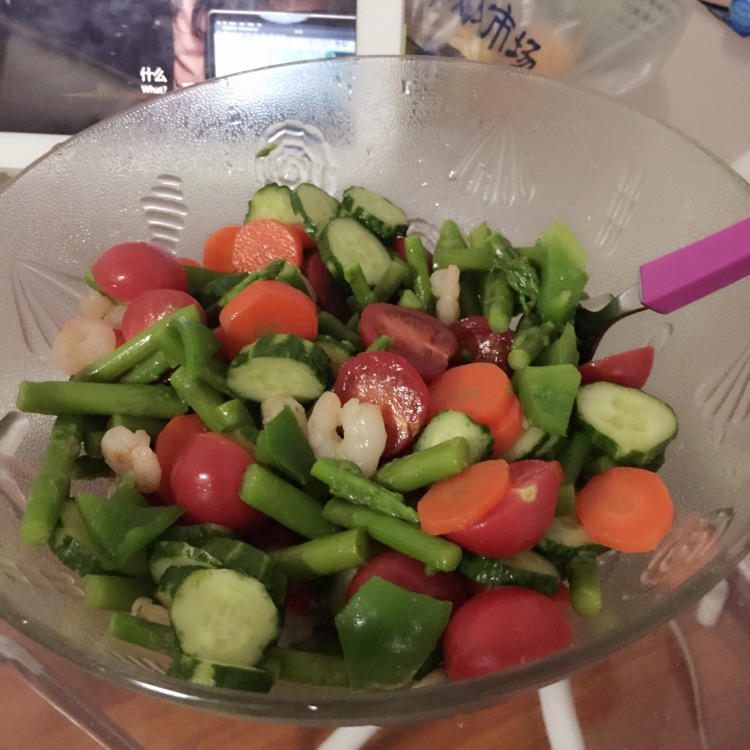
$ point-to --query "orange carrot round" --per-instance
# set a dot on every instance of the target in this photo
(626, 508)
(218, 248)
(480, 389)
(508, 429)
(263, 308)
(462, 500)
(260, 241)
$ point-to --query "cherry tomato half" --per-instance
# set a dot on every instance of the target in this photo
(501, 628)
(630, 368)
(477, 340)
(519, 520)
(410, 574)
(206, 480)
(169, 444)
(126, 270)
(419, 338)
(152, 305)
(388, 380)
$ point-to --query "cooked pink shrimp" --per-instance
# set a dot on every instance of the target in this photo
(363, 427)
(126, 452)
(445, 287)
(80, 342)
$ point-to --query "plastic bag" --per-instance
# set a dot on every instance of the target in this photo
(609, 45)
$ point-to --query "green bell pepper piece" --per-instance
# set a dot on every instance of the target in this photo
(283, 446)
(563, 274)
(547, 394)
(387, 633)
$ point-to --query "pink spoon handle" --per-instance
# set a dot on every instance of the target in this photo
(696, 270)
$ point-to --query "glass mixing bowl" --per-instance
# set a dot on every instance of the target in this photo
(442, 138)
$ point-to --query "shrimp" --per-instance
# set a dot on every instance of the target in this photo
(271, 406)
(126, 452)
(81, 342)
(445, 287)
(362, 423)
(95, 305)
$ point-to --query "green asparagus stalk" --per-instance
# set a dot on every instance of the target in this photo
(346, 481)
(417, 261)
(435, 552)
(51, 486)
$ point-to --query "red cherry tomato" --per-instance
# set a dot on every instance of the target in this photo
(481, 343)
(148, 307)
(630, 368)
(501, 628)
(419, 338)
(169, 444)
(410, 574)
(519, 520)
(325, 295)
(130, 268)
(206, 480)
(388, 380)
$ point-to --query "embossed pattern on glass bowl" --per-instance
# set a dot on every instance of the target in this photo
(442, 138)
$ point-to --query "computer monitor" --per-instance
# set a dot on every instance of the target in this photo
(67, 64)
(238, 41)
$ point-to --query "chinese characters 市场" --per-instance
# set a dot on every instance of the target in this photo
(497, 26)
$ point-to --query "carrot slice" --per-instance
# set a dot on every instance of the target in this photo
(462, 500)
(626, 508)
(506, 431)
(262, 240)
(218, 248)
(480, 389)
(263, 308)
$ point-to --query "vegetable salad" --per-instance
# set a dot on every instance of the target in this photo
(341, 457)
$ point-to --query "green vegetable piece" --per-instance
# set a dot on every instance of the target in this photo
(563, 274)
(498, 300)
(346, 481)
(547, 394)
(121, 529)
(425, 466)
(419, 265)
(151, 369)
(151, 635)
(273, 201)
(585, 584)
(135, 350)
(149, 425)
(214, 674)
(72, 397)
(308, 667)
(325, 555)
(387, 633)
(330, 325)
(283, 446)
(51, 487)
(284, 503)
(389, 283)
(531, 339)
(197, 345)
(434, 551)
(114, 592)
(561, 351)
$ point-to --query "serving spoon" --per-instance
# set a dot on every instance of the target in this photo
(668, 283)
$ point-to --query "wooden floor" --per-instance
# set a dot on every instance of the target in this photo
(643, 698)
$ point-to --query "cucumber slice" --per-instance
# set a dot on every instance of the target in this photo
(281, 363)
(529, 570)
(176, 553)
(71, 543)
(526, 444)
(628, 424)
(212, 674)
(253, 562)
(196, 533)
(225, 616)
(565, 538)
(382, 217)
(273, 201)
(170, 580)
(346, 245)
(315, 206)
(448, 424)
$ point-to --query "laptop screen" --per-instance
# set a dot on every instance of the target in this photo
(238, 41)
